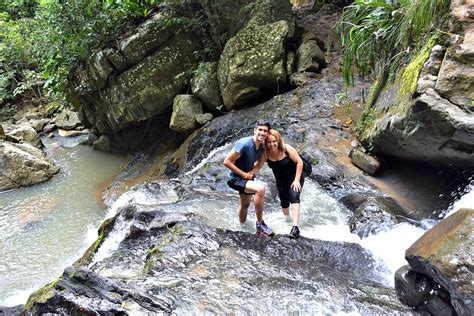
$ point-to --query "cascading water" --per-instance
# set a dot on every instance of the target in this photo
(321, 218)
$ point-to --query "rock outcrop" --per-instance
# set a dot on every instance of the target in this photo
(427, 115)
(137, 80)
(439, 278)
(23, 165)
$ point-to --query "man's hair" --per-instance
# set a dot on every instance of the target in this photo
(262, 123)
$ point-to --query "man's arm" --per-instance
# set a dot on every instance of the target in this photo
(260, 162)
(229, 162)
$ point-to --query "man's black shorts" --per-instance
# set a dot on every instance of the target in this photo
(239, 185)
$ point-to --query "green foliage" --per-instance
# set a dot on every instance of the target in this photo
(50, 37)
(376, 34)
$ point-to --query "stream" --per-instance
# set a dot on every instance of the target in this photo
(46, 227)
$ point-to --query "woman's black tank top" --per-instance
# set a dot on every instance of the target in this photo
(284, 170)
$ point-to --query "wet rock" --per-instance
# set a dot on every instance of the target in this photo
(103, 143)
(205, 86)
(11, 311)
(364, 161)
(2, 132)
(23, 165)
(185, 109)
(412, 288)
(75, 133)
(299, 79)
(371, 214)
(26, 133)
(67, 120)
(444, 254)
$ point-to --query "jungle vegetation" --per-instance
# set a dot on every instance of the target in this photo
(41, 41)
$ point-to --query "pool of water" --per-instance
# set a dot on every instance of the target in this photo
(46, 227)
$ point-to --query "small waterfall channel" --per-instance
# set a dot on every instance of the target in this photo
(322, 217)
(46, 227)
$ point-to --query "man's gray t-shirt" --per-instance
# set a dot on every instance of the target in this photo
(248, 153)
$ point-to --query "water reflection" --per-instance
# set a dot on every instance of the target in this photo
(46, 227)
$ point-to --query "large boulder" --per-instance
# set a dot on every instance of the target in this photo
(253, 62)
(427, 113)
(23, 165)
(25, 133)
(205, 86)
(445, 255)
(150, 68)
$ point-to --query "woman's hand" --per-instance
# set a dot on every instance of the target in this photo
(296, 186)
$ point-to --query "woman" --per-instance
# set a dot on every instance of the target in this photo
(287, 167)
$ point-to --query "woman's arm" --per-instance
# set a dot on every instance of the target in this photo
(293, 154)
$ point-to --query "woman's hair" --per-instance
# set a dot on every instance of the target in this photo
(276, 134)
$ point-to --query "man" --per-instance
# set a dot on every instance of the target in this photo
(241, 161)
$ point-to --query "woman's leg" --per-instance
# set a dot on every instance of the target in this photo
(295, 213)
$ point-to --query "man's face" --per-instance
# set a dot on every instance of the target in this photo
(261, 133)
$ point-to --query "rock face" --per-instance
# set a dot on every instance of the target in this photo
(254, 60)
(148, 70)
(444, 254)
(435, 121)
(23, 165)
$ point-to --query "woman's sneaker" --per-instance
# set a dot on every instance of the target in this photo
(295, 232)
(264, 230)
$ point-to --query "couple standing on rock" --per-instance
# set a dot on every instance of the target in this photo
(245, 160)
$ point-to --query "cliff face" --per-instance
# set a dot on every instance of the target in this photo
(427, 114)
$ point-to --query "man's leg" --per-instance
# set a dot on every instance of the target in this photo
(244, 206)
(259, 199)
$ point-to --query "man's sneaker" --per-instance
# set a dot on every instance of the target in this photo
(295, 232)
(264, 230)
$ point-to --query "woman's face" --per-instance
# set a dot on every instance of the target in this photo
(271, 143)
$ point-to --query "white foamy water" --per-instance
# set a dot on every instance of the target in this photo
(466, 200)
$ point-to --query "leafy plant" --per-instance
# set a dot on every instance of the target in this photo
(376, 34)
